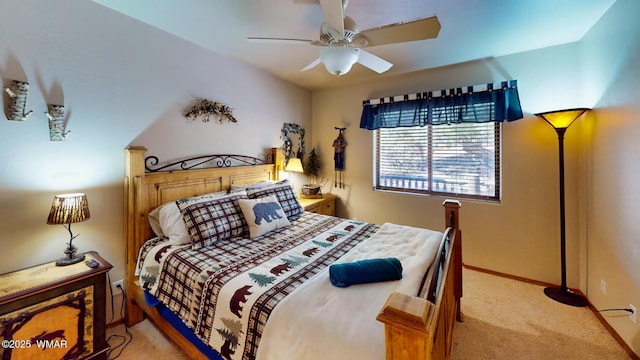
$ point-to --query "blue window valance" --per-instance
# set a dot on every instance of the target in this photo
(471, 104)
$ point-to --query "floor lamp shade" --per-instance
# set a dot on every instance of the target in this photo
(560, 121)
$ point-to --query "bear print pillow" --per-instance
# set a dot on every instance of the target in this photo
(263, 215)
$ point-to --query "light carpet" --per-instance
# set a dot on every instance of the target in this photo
(503, 319)
(512, 319)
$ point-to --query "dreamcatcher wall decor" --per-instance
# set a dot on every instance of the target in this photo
(292, 134)
(338, 158)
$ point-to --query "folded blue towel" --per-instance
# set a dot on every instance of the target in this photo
(365, 271)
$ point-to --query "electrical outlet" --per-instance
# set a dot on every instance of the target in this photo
(603, 286)
(633, 316)
(114, 286)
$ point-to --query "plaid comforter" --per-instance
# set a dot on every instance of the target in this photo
(225, 292)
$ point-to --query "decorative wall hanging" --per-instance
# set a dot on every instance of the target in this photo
(338, 158)
(205, 109)
(292, 135)
(56, 123)
(17, 100)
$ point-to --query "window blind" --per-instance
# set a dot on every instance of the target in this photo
(461, 159)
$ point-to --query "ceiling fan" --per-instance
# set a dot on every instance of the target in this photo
(343, 42)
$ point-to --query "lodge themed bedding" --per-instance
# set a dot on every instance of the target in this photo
(246, 277)
(226, 282)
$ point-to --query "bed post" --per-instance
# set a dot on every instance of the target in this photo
(452, 219)
(134, 175)
(416, 328)
(277, 158)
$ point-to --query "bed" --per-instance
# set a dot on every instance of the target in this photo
(217, 302)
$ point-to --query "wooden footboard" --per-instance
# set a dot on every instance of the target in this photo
(415, 327)
(422, 328)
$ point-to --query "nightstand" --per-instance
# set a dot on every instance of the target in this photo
(325, 205)
(54, 312)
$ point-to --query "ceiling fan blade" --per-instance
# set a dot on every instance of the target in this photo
(333, 13)
(373, 62)
(403, 32)
(315, 63)
(264, 40)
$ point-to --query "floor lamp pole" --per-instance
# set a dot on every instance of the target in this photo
(562, 294)
(563, 238)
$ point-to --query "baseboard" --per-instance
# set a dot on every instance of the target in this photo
(513, 277)
(115, 323)
(613, 332)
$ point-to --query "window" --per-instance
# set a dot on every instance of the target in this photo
(459, 159)
(444, 142)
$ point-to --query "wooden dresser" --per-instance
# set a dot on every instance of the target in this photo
(325, 205)
(54, 312)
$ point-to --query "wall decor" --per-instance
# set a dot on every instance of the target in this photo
(312, 170)
(205, 109)
(312, 166)
(292, 135)
(338, 158)
(17, 100)
(56, 123)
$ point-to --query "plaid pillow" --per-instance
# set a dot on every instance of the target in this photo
(285, 195)
(214, 220)
(166, 220)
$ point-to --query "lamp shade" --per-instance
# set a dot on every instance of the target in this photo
(69, 208)
(294, 165)
(562, 119)
(339, 59)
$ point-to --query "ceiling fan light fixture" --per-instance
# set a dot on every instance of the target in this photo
(339, 60)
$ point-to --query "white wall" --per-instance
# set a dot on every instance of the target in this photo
(612, 50)
(122, 82)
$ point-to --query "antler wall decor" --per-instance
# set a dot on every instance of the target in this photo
(205, 109)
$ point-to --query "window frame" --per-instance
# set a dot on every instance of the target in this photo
(432, 190)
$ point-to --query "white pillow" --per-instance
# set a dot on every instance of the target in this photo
(263, 215)
(154, 220)
(166, 220)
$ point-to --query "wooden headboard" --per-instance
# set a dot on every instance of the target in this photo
(144, 191)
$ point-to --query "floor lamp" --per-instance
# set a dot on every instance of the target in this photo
(561, 120)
